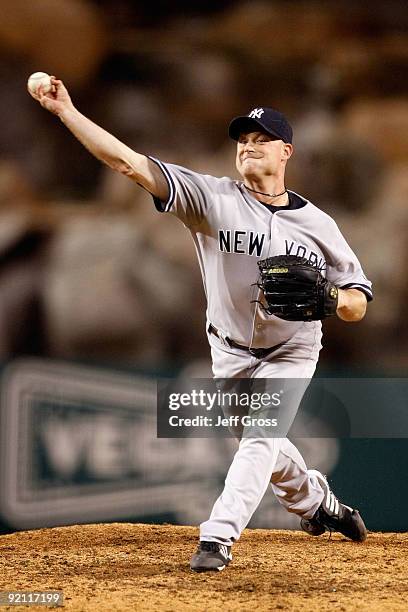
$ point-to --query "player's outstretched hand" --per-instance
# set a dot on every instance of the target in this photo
(57, 100)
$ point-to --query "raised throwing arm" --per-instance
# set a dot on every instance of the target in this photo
(103, 145)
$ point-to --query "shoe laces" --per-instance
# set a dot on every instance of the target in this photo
(209, 546)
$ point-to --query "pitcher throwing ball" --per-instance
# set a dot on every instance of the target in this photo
(263, 321)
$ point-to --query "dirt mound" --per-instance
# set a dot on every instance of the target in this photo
(145, 567)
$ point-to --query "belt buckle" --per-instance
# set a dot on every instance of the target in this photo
(258, 352)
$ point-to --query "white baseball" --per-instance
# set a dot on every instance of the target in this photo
(37, 79)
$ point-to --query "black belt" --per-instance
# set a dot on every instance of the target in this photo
(259, 353)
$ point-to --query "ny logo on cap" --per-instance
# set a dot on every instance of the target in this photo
(256, 113)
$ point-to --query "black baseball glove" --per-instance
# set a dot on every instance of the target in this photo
(295, 290)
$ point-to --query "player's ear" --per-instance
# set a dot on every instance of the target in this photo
(287, 151)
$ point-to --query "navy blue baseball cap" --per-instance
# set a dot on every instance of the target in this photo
(267, 119)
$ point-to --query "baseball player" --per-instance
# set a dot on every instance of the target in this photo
(235, 224)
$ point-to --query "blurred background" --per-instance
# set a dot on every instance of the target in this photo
(90, 273)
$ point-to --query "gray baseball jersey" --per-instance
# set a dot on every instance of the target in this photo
(232, 230)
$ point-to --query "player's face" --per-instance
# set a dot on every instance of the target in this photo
(260, 155)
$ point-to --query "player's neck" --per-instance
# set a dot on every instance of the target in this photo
(271, 192)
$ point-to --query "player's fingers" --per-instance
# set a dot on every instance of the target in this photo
(55, 83)
(33, 94)
(43, 97)
(58, 87)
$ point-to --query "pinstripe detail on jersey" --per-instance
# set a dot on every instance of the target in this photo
(172, 189)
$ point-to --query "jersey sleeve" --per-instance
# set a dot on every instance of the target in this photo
(343, 267)
(190, 193)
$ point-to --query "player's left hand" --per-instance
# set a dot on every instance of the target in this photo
(295, 290)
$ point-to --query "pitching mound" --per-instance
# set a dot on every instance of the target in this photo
(145, 567)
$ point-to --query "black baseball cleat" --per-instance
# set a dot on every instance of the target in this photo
(211, 557)
(332, 515)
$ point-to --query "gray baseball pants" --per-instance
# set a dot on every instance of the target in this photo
(259, 462)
